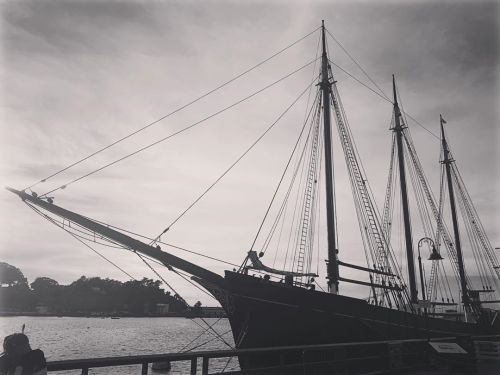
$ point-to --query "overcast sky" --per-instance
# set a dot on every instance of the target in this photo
(77, 75)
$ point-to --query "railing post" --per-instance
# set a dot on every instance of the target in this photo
(194, 365)
(144, 370)
(85, 371)
(395, 356)
(303, 357)
(204, 368)
(282, 363)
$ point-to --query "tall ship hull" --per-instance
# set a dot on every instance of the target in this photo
(265, 313)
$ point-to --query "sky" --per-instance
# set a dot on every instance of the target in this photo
(78, 75)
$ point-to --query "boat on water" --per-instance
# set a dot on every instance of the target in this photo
(267, 306)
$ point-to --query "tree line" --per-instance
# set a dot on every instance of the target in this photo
(85, 296)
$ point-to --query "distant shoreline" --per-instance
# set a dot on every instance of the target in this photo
(104, 316)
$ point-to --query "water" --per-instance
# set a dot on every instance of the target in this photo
(76, 338)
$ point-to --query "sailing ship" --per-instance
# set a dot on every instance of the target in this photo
(265, 311)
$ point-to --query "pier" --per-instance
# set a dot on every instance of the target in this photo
(447, 355)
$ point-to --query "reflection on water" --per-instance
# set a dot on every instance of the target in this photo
(73, 338)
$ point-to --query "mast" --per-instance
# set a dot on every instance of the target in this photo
(332, 263)
(398, 129)
(447, 160)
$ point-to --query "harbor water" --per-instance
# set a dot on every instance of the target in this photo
(63, 338)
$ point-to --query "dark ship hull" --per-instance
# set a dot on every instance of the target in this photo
(264, 313)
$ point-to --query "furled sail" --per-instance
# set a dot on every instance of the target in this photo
(258, 265)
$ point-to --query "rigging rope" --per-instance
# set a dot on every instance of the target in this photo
(475, 221)
(306, 214)
(360, 82)
(357, 64)
(208, 341)
(405, 114)
(162, 279)
(197, 337)
(161, 242)
(367, 211)
(64, 186)
(143, 257)
(283, 207)
(209, 327)
(279, 184)
(50, 219)
(174, 111)
(385, 98)
(182, 300)
(474, 240)
(435, 266)
(234, 163)
(55, 222)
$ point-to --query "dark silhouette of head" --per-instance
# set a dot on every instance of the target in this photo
(16, 344)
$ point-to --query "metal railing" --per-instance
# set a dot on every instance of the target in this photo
(376, 356)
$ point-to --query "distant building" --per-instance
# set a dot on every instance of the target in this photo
(42, 309)
(213, 312)
(162, 308)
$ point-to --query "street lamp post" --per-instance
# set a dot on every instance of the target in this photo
(422, 281)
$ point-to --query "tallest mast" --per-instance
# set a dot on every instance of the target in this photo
(398, 129)
(447, 160)
(332, 265)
